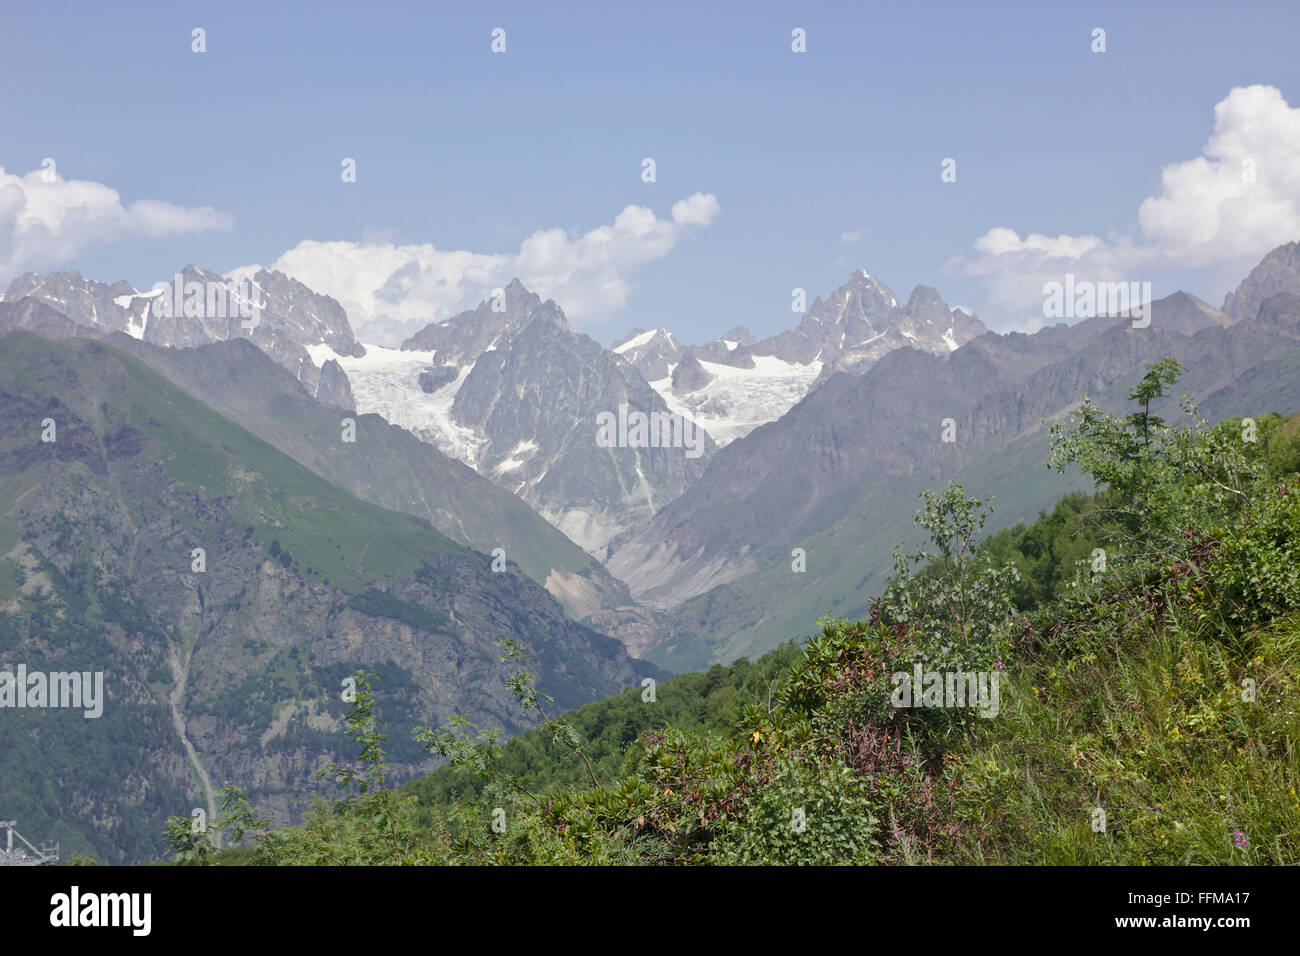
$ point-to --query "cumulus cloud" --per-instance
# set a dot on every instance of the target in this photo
(852, 236)
(1223, 210)
(46, 220)
(589, 275)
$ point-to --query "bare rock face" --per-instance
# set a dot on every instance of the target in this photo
(689, 376)
(1277, 272)
(333, 388)
(94, 305)
(653, 353)
(435, 377)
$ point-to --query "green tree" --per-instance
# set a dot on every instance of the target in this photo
(1158, 376)
(954, 601)
(1164, 481)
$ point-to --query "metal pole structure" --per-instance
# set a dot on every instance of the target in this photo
(9, 858)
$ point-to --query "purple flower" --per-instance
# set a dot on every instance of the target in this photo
(1239, 839)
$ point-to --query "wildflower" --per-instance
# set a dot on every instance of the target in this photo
(1239, 839)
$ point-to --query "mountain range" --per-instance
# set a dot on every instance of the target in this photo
(404, 508)
(839, 475)
(736, 383)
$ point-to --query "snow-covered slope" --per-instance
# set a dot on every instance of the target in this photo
(387, 382)
(735, 401)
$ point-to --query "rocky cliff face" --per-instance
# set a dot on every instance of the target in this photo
(652, 353)
(1277, 272)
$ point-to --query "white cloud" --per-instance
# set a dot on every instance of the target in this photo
(588, 275)
(698, 209)
(46, 220)
(1223, 210)
(852, 236)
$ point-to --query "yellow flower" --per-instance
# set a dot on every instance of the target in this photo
(757, 736)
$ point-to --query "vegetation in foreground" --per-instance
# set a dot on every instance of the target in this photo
(1146, 647)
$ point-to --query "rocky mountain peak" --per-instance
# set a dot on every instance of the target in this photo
(876, 292)
(926, 303)
(195, 306)
(653, 353)
(862, 320)
(461, 338)
(1279, 271)
(739, 335)
(689, 376)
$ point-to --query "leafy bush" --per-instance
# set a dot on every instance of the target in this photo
(804, 814)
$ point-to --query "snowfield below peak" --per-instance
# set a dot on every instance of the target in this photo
(735, 401)
(386, 382)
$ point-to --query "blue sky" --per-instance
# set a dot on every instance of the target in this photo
(466, 150)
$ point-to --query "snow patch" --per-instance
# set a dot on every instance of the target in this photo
(519, 456)
(385, 381)
(636, 341)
